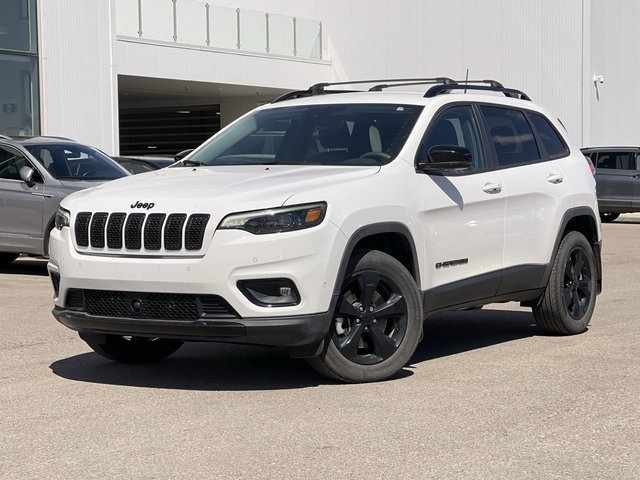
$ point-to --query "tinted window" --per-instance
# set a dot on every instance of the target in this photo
(551, 141)
(338, 134)
(456, 126)
(511, 135)
(11, 161)
(615, 160)
(75, 162)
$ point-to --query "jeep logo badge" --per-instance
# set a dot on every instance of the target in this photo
(146, 206)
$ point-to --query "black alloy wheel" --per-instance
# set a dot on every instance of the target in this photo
(371, 320)
(578, 283)
(569, 298)
(377, 322)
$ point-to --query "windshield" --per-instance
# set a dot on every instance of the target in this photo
(75, 162)
(337, 134)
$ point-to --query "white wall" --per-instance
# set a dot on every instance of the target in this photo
(533, 45)
(615, 54)
(77, 85)
(539, 46)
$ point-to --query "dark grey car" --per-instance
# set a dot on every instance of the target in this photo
(35, 174)
(617, 180)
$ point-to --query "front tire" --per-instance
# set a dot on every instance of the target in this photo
(570, 296)
(131, 349)
(377, 323)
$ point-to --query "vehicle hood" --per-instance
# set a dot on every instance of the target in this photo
(73, 185)
(208, 189)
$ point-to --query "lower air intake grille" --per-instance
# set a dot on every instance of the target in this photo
(151, 306)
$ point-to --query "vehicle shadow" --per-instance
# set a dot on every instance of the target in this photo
(462, 331)
(228, 367)
(26, 266)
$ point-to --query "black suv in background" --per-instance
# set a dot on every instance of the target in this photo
(617, 179)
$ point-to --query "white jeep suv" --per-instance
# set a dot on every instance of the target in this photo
(333, 223)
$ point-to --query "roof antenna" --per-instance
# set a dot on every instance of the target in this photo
(466, 80)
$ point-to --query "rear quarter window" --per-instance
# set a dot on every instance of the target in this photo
(552, 143)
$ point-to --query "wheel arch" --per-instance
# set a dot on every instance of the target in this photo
(392, 238)
(584, 221)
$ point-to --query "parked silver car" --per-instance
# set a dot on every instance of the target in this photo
(617, 180)
(35, 174)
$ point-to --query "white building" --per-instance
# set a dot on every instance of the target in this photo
(155, 76)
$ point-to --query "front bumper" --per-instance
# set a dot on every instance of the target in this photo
(290, 331)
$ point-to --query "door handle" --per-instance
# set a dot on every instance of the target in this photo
(492, 188)
(636, 176)
(45, 195)
(555, 178)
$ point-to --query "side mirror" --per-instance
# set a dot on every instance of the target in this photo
(446, 157)
(182, 154)
(26, 174)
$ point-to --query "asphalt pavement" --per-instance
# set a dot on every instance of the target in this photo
(486, 396)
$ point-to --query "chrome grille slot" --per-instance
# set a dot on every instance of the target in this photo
(133, 231)
(173, 231)
(195, 231)
(98, 223)
(81, 228)
(153, 231)
(114, 230)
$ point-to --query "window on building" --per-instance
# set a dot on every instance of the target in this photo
(18, 25)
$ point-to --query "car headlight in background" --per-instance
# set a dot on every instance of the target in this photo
(276, 220)
(62, 218)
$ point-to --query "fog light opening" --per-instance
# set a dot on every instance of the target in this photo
(272, 292)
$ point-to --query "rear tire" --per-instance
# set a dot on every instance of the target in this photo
(7, 258)
(570, 297)
(377, 323)
(131, 349)
(606, 217)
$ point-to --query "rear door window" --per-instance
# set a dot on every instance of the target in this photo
(511, 136)
(615, 160)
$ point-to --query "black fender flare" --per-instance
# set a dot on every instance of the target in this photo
(375, 229)
(567, 217)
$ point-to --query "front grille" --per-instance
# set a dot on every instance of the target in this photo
(136, 231)
(97, 229)
(173, 231)
(82, 229)
(133, 231)
(153, 231)
(114, 230)
(195, 231)
(151, 306)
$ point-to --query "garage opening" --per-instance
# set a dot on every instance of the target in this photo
(166, 131)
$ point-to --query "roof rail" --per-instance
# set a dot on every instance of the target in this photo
(492, 87)
(442, 85)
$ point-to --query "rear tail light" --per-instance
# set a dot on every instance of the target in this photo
(591, 167)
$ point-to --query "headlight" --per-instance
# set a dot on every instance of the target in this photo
(62, 218)
(275, 220)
